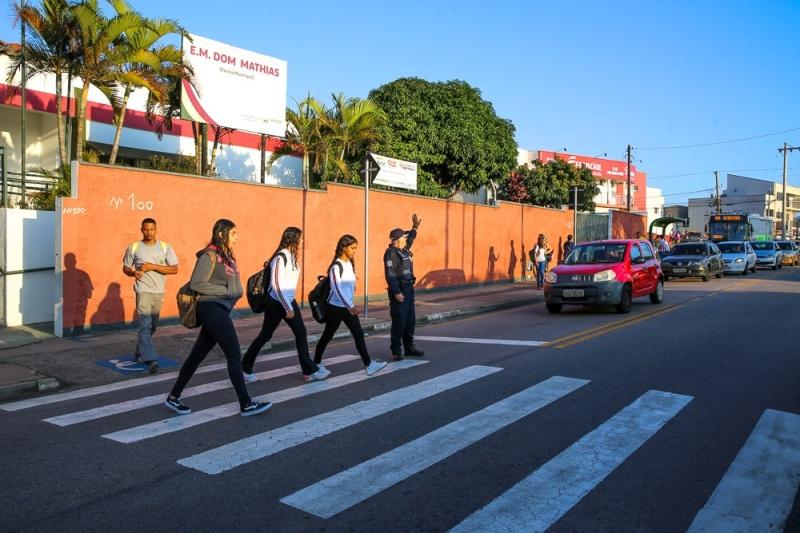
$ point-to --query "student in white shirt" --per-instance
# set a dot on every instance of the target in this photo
(281, 305)
(342, 277)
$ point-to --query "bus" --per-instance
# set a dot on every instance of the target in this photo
(740, 227)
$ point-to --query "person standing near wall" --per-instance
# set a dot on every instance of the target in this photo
(342, 277)
(282, 305)
(399, 273)
(149, 261)
(568, 246)
(216, 279)
(540, 253)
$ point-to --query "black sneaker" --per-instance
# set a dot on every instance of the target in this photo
(152, 367)
(397, 357)
(177, 406)
(255, 408)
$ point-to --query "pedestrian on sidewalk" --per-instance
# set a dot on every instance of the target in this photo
(149, 261)
(540, 253)
(216, 279)
(568, 247)
(342, 277)
(399, 273)
(281, 305)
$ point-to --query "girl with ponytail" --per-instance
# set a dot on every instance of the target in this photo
(342, 277)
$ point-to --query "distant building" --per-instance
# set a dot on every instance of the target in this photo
(749, 195)
(676, 211)
(611, 176)
(655, 204)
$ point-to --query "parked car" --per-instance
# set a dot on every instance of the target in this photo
(738, 257)
(791, 256)
(693, 260)
(605, 273)
(769, 254)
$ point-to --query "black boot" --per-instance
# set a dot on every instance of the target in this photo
(397, 357)
(413, 351)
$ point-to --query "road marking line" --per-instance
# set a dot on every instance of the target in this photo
(157, 399)
(614, 327)
(604, 326)
(469, 340)
(337, 493)
(758, 490)
(218, 460)
(542, 498)
(177, 423)
(121, 385)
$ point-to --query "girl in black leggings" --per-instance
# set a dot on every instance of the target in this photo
(281, 305)
(216, 279)
(342, 277)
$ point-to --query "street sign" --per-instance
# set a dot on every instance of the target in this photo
(395, 172)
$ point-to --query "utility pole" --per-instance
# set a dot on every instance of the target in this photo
(716, 188)
(23, 105)
(786, 149)
(629, 176)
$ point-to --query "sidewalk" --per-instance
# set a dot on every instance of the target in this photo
(32, 362)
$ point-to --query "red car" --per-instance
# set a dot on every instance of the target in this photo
(605, 273)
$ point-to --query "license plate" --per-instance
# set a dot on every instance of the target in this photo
(573, 293)
(679, 270)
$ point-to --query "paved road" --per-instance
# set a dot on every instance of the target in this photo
(677, 416)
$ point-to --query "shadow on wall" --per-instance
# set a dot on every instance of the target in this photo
(77, 292)
(442, 278)
(286, 171)
(236, 165)
(491, 264)
(560, 250)
(512, 262)
(111, 310)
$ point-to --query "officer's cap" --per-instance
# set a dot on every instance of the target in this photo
(396, 233)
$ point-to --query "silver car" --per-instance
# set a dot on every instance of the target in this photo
(769, 254)
(738, 257)
(790, 253)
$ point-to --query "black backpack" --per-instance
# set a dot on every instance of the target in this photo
(258, 289)
(318, 297)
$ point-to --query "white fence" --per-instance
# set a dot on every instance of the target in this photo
(27, 261)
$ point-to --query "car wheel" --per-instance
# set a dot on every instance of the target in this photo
(666, 278)
(625, 304)
(706, 277)
(554, 308)
(658, 295)
(774, 267)
(720, 274)
(745, 271)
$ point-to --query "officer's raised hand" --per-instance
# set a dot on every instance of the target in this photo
(415, 220)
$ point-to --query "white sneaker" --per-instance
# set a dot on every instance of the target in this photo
(319, 375)
(374, 367)
(250, 378)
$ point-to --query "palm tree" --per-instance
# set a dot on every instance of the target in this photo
(52, 49)
(351, 126)
(303, 135)
(148, 65)
(102, 57)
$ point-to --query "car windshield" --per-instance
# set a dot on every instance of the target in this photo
(731, 247)
(762, 245)
(587, 254)
(689, 249)
(785, 246)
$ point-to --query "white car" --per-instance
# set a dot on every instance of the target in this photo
(738, 257)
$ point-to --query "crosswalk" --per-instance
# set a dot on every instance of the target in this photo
(755, 494)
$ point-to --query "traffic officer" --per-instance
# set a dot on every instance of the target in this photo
(399, 271)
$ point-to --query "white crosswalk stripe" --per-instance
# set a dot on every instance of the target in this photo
(235, 454)
(346, 489)
(122, 385)
(177, 423)
(758, 490)
(539, 500)
(157, 399)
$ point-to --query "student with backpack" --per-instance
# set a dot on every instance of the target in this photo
(340, 308)
(281, 305)
(216, 279)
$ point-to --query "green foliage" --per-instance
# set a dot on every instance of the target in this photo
(453, 134)
(46, 200)
(549, 184)
(182, 165)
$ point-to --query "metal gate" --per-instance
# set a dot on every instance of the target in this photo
(592, 227)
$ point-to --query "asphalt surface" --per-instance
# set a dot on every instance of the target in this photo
(729, 345)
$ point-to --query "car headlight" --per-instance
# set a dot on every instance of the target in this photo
(695, 263)
(740, 260)
(605, 275)
(551, 277)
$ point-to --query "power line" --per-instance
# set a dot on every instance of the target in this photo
(649, 178)
(680, 193)
(700, 145)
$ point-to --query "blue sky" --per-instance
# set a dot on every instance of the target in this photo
(588, 76)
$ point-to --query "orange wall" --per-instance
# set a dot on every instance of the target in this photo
(452, 247)
(624, 225)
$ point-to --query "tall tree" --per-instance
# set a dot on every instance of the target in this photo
(147, 65)
(549, 184)
(303, 135)
(349, 128)
(453, 134)
(101, 55)
(51, 49)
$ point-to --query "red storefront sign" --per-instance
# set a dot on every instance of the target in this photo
(602, 169)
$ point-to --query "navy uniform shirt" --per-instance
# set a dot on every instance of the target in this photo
(398, 266)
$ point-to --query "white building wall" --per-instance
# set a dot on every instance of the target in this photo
(655, 204)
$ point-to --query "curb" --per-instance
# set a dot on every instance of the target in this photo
(40, 385)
